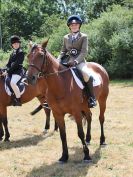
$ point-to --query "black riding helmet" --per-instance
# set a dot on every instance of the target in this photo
(74, 19)
(15, 39)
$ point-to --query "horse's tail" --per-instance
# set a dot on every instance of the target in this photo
(36, 110)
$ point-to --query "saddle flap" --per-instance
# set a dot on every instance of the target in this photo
(8, 88)
(79, 78)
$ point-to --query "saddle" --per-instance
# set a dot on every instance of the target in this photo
(77, 73)
(78, 76)
(21, 85)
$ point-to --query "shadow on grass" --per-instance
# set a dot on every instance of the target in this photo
(74, 168)
(28, 141)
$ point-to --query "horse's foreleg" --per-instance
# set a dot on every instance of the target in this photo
(7, 134)
(82, 137)
(88, 134)
(102, 104)
(5, 122)
(102, 137)
(55, 126)
(61, 123)
(47, 123)
(1, 130)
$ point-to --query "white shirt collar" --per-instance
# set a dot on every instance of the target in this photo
(75, 34)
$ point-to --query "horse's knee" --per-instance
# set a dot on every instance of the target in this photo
(101, 119)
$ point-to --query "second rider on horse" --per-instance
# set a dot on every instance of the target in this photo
(14, 67)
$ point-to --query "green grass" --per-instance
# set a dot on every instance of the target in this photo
(125, 82)
(33, 154)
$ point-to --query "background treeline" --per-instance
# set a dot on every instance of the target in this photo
(108, 23)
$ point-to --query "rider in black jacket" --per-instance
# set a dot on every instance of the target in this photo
(15, 66)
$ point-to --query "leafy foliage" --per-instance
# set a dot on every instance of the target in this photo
(109, 27)
(111, 41)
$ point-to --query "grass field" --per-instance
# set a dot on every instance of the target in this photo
(33, 154)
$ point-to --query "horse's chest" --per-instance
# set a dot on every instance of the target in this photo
(54, 99)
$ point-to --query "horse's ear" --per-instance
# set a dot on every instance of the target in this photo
(44, 44)
(30, 44)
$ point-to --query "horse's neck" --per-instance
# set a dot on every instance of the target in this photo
(54, 64)
(56, 82)
(32, 91)
(41, 86)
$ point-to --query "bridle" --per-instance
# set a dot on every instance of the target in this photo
(43, 73)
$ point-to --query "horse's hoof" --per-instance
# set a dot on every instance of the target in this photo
(6, 140)
(103, 144)
(88, 143)
(87, 160)
(63, 159)
(61, 162)
(45, 131)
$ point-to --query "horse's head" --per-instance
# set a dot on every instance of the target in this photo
(36, 59)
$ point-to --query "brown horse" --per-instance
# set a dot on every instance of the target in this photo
(64, 96)
(38, 90)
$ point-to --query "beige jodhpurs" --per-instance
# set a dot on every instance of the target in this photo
(15, 78)
(84, 70)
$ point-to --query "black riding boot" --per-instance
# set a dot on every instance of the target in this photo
(17, 102)
(91, 97)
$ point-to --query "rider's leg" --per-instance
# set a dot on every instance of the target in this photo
(15, 78)
(89, 82)
(92, 99)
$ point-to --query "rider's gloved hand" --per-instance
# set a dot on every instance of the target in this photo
(72, 63)
(4, 73)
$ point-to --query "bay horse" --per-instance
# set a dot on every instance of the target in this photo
(64, 96)
(31, 91)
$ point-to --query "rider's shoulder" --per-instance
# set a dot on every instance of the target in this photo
(83, 34)
(20, 50)
(66, 36)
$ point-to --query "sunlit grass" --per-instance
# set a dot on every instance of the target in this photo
(33, 154)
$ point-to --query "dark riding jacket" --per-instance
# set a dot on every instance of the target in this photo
(15, 63)
(77, 49)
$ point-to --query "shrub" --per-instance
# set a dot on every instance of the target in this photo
(111, 41)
